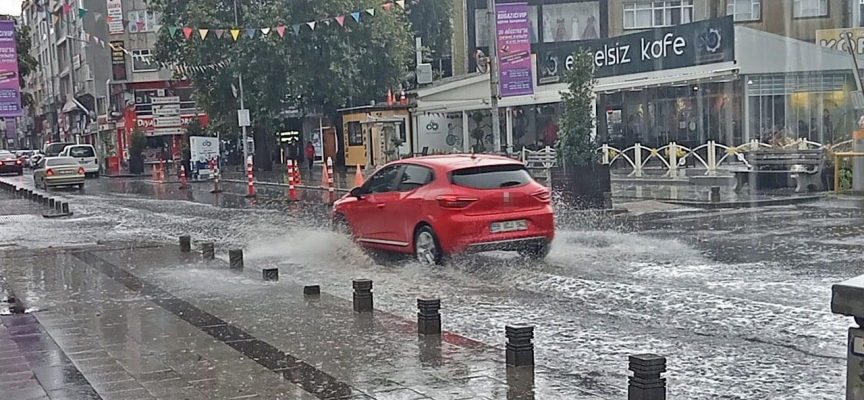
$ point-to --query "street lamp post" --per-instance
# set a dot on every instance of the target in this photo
(493, 75)
(242, 101)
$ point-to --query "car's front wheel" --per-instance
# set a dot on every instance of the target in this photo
(340, 225)
(427, 249)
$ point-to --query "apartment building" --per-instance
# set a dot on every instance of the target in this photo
(98, 81)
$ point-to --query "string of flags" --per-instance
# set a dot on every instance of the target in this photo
(182, 68)
(188, 31)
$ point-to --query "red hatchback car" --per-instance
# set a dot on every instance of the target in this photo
(436, 206)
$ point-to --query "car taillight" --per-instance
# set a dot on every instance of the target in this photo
(49, 172)
(18, 162)
(543, 195)
(1, 163)
(80, 170)
(453, 201)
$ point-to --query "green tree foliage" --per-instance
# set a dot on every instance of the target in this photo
(431, 20)
(575, 146)
(325, 69)
(26, 62)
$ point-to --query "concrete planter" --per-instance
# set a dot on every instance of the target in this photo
(584, 187)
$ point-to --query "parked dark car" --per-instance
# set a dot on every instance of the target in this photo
(9, 163)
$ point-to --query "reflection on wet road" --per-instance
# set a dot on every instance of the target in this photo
(737, 300)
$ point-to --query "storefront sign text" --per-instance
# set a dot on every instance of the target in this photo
(836, 39)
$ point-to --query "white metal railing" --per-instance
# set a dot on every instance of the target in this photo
(543, 158)
(673, 156)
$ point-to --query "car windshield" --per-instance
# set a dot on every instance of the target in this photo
(491, 177)
(60, 162)
(82, 151)
(6, 154)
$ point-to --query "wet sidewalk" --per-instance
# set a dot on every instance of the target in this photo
(135, 326)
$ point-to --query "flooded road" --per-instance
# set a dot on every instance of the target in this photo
(738, 301)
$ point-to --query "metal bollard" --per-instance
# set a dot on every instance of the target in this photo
(271, 274)
(363, 295)
(235, 259)
(37, 198)
(58, 206)
(520, 350)
(45, 200)
(185, 244)
(714, 196)
(313, 290)
(646, 383)
(429, 319)
(64, 208)
(52, 203)
(30, 194)
(208, 251)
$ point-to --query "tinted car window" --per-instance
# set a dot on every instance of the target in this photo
(383, 180)
(414, 177)
(84, 151)
(61, 162)
(491, 177)
(54, 149)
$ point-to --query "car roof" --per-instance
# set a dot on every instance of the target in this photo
(60, 158)
(452, 162)
(80, 145)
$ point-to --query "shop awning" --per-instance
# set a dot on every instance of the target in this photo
(759, 52)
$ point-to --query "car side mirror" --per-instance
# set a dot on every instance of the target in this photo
(357, 192)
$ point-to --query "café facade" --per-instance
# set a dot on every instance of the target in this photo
(690, 83)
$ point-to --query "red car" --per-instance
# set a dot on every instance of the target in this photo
(10, 163)
(436, 206)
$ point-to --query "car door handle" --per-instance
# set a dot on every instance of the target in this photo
(380, 205)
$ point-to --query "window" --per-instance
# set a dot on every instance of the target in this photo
(355, 134)
(383, 180)
(744, 10)
(60, 162)
(142, 61)
(491, 177)
(653, 14)
(810, 8)
(571, 21)
(415, 177)
(81, 151)
(144, 21)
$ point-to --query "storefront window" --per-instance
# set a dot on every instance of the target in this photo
(535, 126)
(571, 21)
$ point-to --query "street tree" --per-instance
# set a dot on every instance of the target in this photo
(26, 62)
(575, 146)
(431, 21)
(324, 69)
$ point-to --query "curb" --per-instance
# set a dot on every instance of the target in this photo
(745, 204)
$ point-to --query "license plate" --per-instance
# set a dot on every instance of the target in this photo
(65, 172)
(509, 226)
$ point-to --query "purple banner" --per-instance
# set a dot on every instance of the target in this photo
(514, 49)
(10, 90)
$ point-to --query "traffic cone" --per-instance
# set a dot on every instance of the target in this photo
(389, 97)
(297, 174)
(358, 177)
(402, 99)
(324, 177)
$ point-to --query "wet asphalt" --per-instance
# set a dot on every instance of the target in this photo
(737, 300)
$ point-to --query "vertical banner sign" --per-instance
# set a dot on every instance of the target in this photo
(514, 49)
(118, 61)
(115, 17)
(202, 150)
(10, 89)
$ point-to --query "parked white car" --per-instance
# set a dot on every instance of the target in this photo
(86, 156)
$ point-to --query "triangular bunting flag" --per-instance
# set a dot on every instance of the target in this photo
(371, 12)
(341, 20)
(387, 6)
(102, 42)
(172, 30)
(326, 22)
(235, 33)
(219, 33)
(356, 16)
(187, 31)
(82, 12)
(140, 26)
(86, 36)
(296, 29)
(97, 16)
(251, 33)
(56, 18)
(281, 30)
(109, 19)
(66, 8)
(311, 25)
(265, 31)
(401, 3)
(203, 33)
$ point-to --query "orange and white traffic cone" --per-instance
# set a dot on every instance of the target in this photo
(331, 189)
(297, 179)
(358, 177)
(389, 97)
(182, 177)
(402, 99)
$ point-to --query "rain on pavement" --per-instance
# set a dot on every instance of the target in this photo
(738, 301)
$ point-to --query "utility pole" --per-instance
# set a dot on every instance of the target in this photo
(242, 101)
(494, 85)
(857, 141)
(72, 71)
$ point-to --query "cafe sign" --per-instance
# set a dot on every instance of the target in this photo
(836, 39)
(699, 43)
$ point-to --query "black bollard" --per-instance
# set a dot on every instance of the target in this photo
(646, 383)
(29, 194)
(714, 196)
(271, 274)
(312, 290)
(58, 206)
(362, 295)
(428, 317)
(64, 207)
(520, 350)
(45, 200)
(37, 198)
(185, 244)
(235, 259)
(51, 203)
(208, 251)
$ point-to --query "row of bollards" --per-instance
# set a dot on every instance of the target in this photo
(60, 208)
(646, 383)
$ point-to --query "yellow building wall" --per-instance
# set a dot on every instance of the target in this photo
(356, 155)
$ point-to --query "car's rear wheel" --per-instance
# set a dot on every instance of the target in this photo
(536, 252)
(44, 184)
(80, 186)
(427, 249)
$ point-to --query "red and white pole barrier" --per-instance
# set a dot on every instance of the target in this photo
(182, 177)
(330, 188)
(161, 170)
(250, 177)
(215, 169)
(292, 194)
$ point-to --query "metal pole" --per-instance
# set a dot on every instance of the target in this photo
(857, 141)
(242, 102)
(493, 75)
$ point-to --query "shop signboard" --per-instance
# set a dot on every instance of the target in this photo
(440, 132)
(836, 39)
(201, 151)
(514, 49)
(115, 17)
(10, 90)
(118, 61)
(698, 43)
